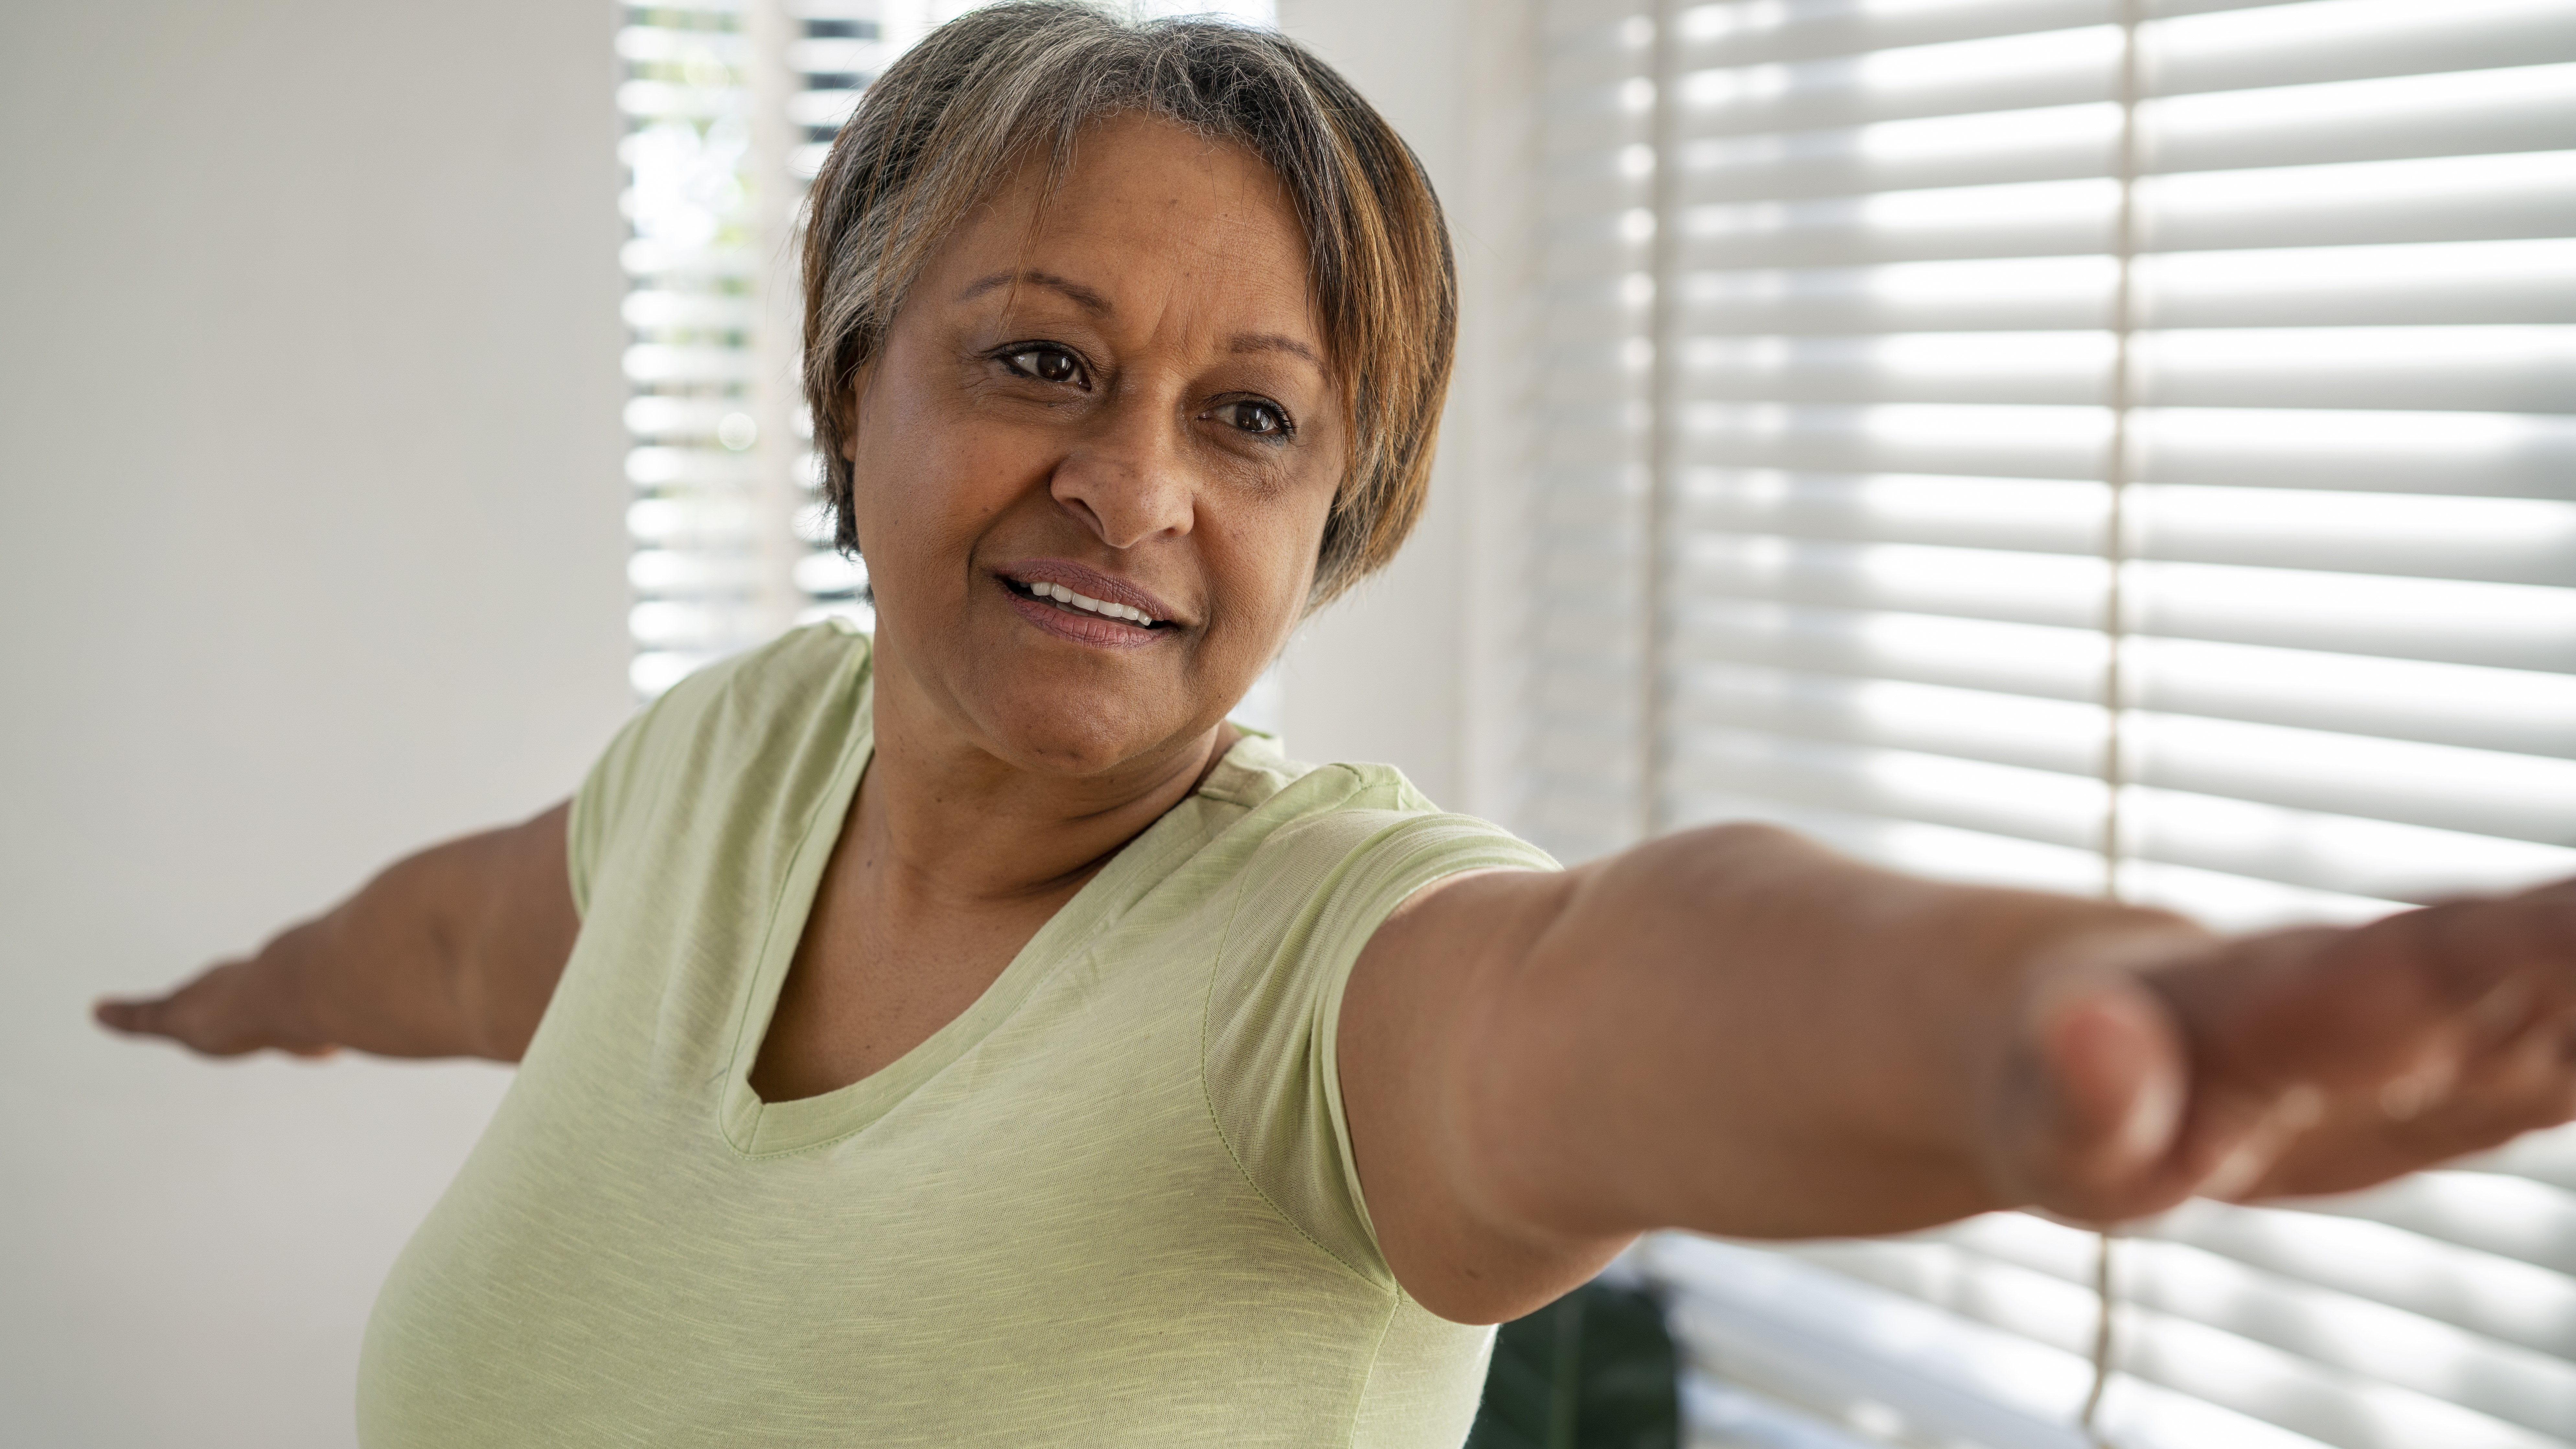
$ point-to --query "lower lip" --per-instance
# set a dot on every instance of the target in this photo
(1098, 633)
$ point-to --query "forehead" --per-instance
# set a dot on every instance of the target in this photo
(1145, 213)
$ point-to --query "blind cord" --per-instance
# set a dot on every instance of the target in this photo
(2115, 469)
(2104, 1292)
(2115, 685)
(1663, 438)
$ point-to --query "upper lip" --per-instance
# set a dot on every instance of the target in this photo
(1091, 583)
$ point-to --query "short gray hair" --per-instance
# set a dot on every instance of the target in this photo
(961, 109)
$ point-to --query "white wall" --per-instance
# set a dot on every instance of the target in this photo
(309, 552)
(1403, 670)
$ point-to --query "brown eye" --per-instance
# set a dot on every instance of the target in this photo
(1046, 364)
(1253, 416)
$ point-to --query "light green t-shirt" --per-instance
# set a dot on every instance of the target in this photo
(1112, 1203)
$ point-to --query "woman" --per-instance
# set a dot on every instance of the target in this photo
(965, 1035)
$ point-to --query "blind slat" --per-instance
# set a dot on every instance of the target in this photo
(2519, 282)
(2342, 1371)
(2488, 1294)
(2502, 540)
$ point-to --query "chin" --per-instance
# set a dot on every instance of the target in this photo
(1068, 732)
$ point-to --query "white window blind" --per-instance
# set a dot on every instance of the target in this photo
(2100, 446)
(731, 105)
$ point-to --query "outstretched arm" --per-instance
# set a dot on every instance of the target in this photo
(1737, 1031)
(451, 952)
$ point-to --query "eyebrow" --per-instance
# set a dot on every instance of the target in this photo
(1089, 300)
(1274, 342)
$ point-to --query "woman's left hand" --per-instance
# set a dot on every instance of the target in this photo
(2310, 1061)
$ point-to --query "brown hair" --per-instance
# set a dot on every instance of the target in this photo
(961, 109)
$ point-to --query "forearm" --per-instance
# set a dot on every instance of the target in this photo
(1737, 1031)
(387, 971)
(453, 951)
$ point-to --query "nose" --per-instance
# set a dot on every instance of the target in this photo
(1126, 477)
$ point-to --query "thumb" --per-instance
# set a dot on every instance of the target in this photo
(2115, 1094)
(2128, 1127)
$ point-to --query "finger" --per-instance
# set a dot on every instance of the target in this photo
(2510, 956)
(2528, 1085)
(2513, 959)
(2517, 1007)
(138, 1016)
(2407, 999)
(2250, 1154)
(2512, 1042)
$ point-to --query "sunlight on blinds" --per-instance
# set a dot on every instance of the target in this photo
(730, 105)
(2086, 445)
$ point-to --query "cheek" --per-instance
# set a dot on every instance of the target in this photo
(920, 481)
(1271, 555)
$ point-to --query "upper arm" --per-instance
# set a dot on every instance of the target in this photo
(1416, 1046)
(513, 949)
(1729, 1029)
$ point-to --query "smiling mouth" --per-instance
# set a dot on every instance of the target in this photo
(1081, 606)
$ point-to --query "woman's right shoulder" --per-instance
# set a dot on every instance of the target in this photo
(801, 664)
(757, 692)
(765, 718)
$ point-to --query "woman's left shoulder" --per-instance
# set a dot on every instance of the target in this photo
(1258, 775)
(1343, 814)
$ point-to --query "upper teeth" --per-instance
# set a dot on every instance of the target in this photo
(1063, 595)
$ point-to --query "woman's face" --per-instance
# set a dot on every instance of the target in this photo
(1122, 395)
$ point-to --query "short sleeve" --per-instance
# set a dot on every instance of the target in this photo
(765, 686)
(1307, 904)
(606, 796)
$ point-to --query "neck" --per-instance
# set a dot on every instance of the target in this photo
(942, 814)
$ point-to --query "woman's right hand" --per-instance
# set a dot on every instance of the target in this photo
(230, 1008)
(453, 952)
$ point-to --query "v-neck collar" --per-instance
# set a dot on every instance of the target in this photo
(756, 1128)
